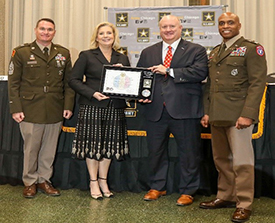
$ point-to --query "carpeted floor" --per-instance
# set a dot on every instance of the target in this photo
(77, 206)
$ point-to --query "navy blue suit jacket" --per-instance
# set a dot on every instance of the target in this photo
(183, 94)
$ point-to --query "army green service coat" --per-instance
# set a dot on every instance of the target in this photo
(236, 83)
(39, 87)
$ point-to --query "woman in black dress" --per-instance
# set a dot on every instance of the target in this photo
(101, 132)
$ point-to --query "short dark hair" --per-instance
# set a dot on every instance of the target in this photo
(45, 19)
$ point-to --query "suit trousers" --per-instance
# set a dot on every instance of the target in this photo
(40, 142)
(187, 136)
(234, 159)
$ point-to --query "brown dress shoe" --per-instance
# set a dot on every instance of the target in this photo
(185, 200)
(241, 215)
(217, 203)
(30, 191)
(48, 189)
(153, 195)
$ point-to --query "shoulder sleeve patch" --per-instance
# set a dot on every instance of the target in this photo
(260, 50)
(13, 53)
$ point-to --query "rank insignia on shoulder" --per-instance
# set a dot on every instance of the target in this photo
(260, 50)
(11, 68)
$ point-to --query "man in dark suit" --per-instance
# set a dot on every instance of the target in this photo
(234, 89)
(39, 99)
(176, 108)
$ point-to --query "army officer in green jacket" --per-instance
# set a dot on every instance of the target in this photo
(39, 98)
(237, 76)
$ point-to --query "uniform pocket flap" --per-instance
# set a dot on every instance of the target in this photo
(235, 61)
(28, 96)
(32, 65)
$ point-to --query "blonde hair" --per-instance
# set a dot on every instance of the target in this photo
(94, 43)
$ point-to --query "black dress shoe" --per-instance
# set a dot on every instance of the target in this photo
(217, 203)
(241, 215)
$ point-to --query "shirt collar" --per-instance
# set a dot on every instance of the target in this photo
(174, 45)
(230, 42)
(42, 47)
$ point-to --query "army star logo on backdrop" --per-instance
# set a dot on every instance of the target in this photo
(123, 50)
(208, 18)
(143, 35)
(161, 14)
(131, 110)
(122, 19)
(208, 50)
(187, 34)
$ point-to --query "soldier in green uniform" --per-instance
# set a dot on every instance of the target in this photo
(39, 99)
(237, 76)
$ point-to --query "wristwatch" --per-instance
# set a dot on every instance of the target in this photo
(168, 71)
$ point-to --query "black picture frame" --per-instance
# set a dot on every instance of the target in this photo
(127, 82)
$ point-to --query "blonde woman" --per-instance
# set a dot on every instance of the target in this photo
(101, 132)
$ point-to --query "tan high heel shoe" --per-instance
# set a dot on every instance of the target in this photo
(95, 196)
(107, 194)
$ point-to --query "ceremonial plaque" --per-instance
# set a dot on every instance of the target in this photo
(127, 82)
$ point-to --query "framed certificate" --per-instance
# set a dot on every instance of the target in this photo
(127, 82)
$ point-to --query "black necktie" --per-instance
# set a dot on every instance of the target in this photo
(222, 49)
(46, 52)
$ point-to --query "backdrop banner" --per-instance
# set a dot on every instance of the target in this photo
(138, 27)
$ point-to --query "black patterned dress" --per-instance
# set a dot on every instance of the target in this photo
(100, 133)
